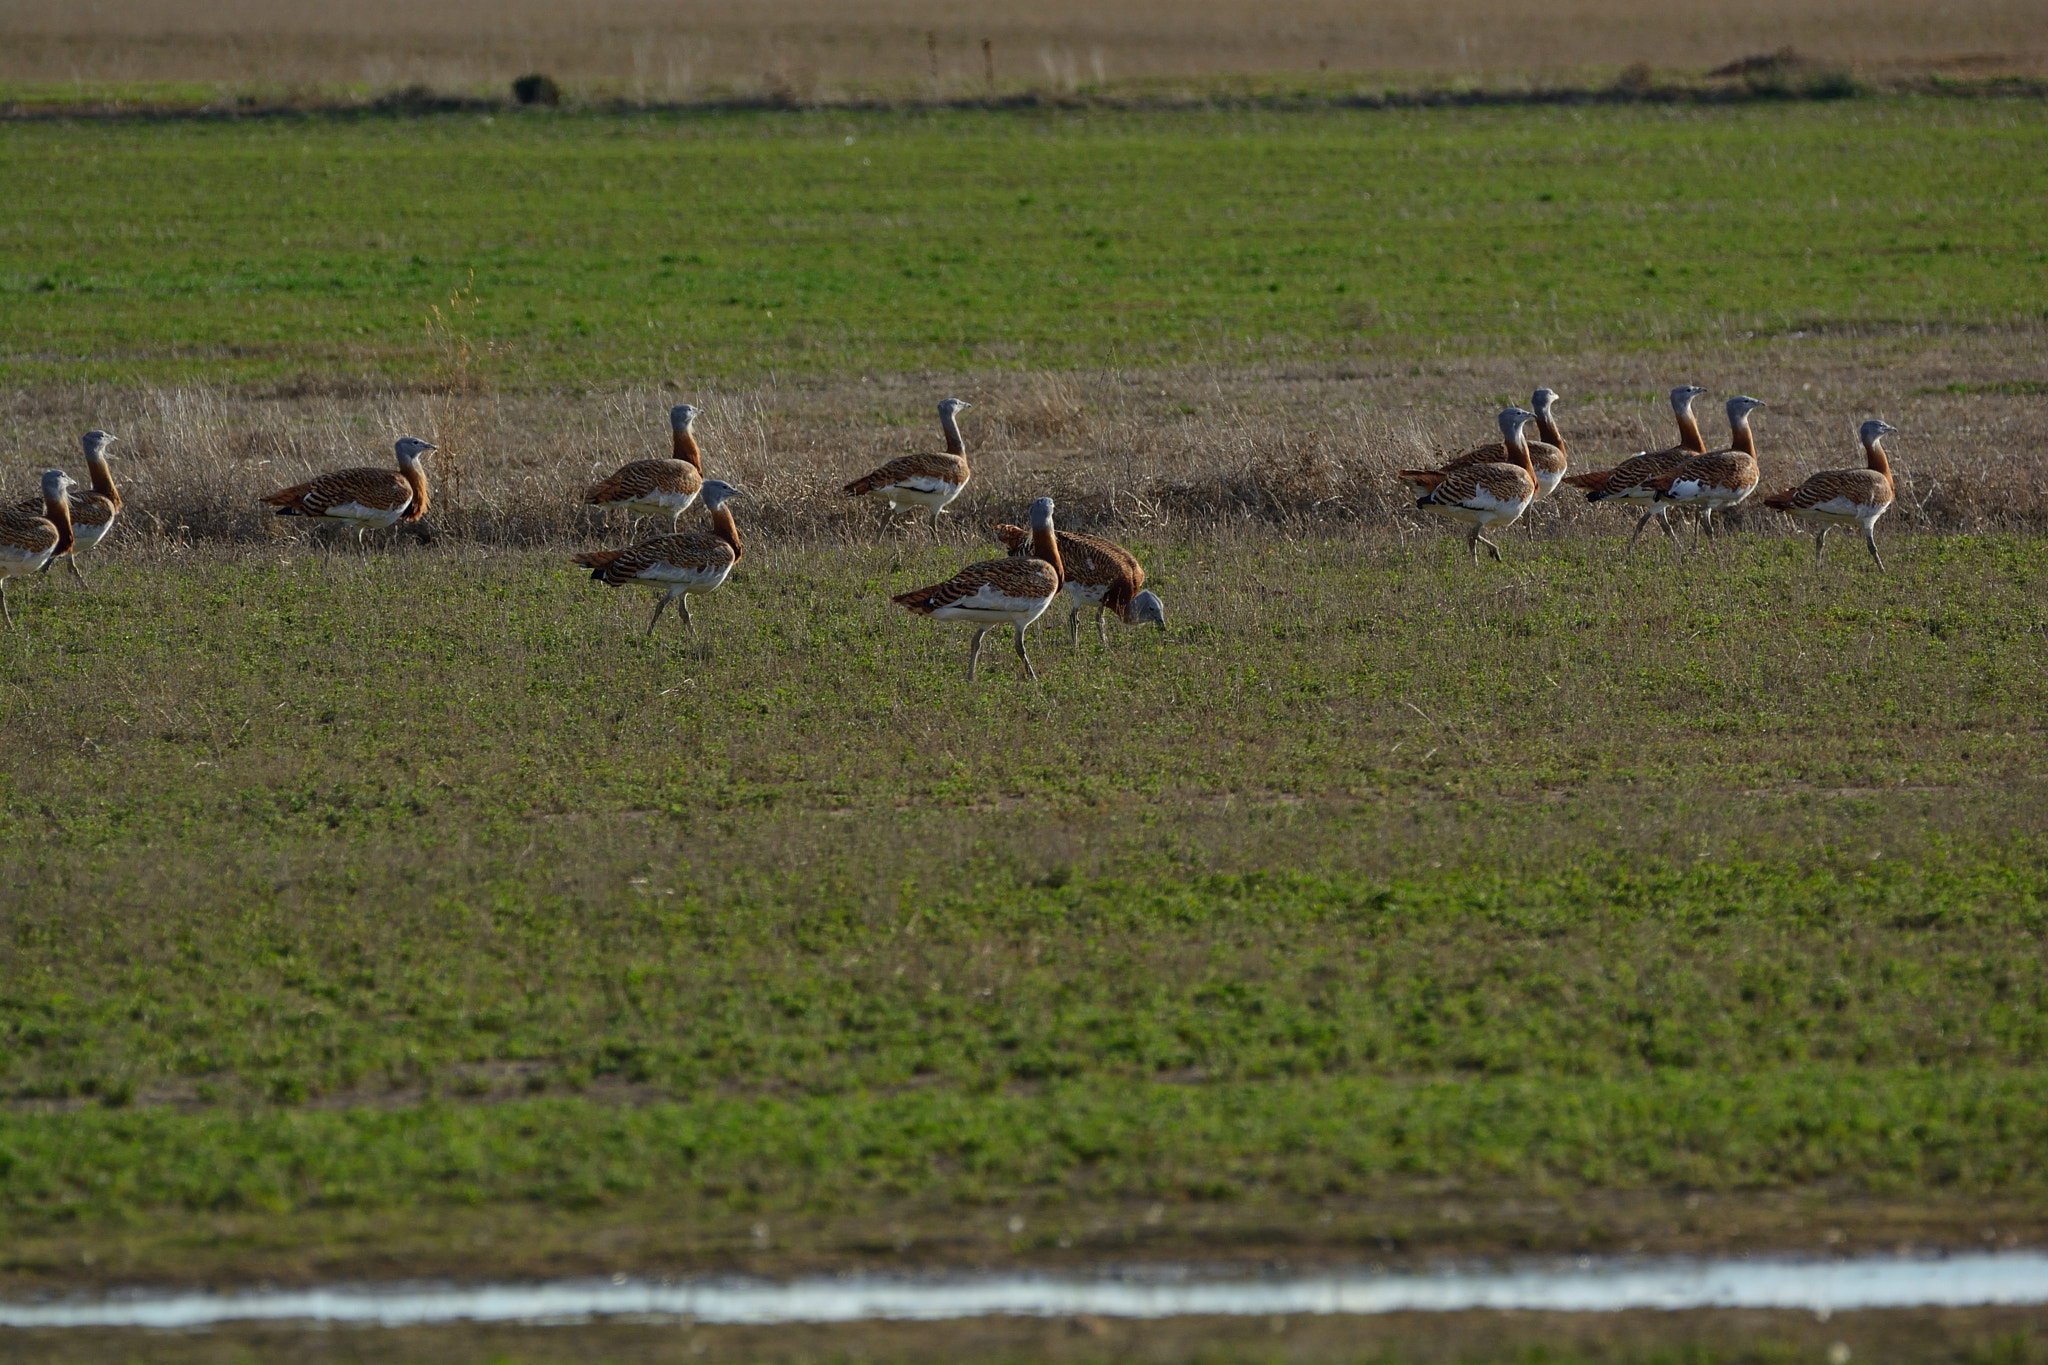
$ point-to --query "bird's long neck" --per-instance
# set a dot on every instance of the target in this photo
(412, 473)
(58, 510)
(727, 530)
(1518, 450)
(686, 448)
(1547, 426)
(1873, 452)
(1689, 437)
(103, 479)
(1046, 546)
(954, 445)
(1740, 436)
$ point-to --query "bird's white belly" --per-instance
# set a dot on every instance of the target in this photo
(686, 579)
(1546, 483)
(1090, 594)
(659, 504)
(16, 563)
(1484, 508)
(1845, 510)
(1694, 492)
(922, 492)
(89, 536)
(368, 518)
(989, 607)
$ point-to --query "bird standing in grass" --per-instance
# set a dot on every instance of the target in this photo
(1546, 457)
(1629, 481)
(1846, 497)
(1494, 493)
(1720, 479)
(1097, 573)
(92, 514)
(1013, 592)
(366, 499)
(694, 562)
(658, 488)
(928, 481)
(29, 540)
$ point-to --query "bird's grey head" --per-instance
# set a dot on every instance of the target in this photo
(96, 443)
(1512, 420)
(55, 481)
(1741, 406)
(1148, 610)
(1542, 401)
(1682, 396)
(1041, 515)
(717, 493)
(681, 415)
(410, 448)
(1875, 429)
(949, 406)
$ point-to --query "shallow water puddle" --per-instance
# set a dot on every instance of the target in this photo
(1582, 1286)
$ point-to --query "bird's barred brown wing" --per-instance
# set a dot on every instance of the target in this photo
(1505, 482)
(1722, 469)
(92, 509)
(30, 534)
(1633, 472)
(1862, 487)
(1542, 454)
(1097, 563)
(695, 551)
(1019, 576)
(382, 489)
(942, 468)
(642, 478)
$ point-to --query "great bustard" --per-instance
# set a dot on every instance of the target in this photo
(928, 481)
(996, 592)
(1629, 481)
(1098, 573)
(1546, 457)
(92, 514)
(1720, 479)
(693, 562)
(1483, 495)
(658, 488)
(1846, 497)
(366, 499)
(29, 540)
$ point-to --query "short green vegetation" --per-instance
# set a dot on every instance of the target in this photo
(607, 248)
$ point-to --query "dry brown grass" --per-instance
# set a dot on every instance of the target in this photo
(658, 49)
(1167, 453)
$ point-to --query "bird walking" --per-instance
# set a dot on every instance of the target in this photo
(658, 487)
(1486, 494)
(1546, 457)
(996, 592)
(92, 514)
(366, 499)
(686, 564)
(1846, 497)
(1629, 481)
(1097, 573)
(928, 481)
(1721, 479)
(29, 540)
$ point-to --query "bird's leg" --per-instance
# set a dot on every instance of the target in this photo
(660, 606)
(1029, 671)
(1482, 540)
(683, 606)
(73, 560)
(974, 651)
(1074, 626)
(1820, 539)
(1101, 632)
(4, 606)
(1870, 539)
(1641, 522)
(1707, 520)
(1472, 542)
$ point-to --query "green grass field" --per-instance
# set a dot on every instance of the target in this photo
(610, 249)
(359, 911)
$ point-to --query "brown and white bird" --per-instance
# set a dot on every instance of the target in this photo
(686, 564)
(29, 540)
(1494, 493)
(928, 481)
(1629, 481)
(1846, 497)
(1098, 573)
(92, 514)
(1720, 479)
(366, 499)
(658, 488)
(1546, 457)
(997, 592)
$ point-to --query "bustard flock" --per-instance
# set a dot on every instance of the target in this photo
(1488, 487)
